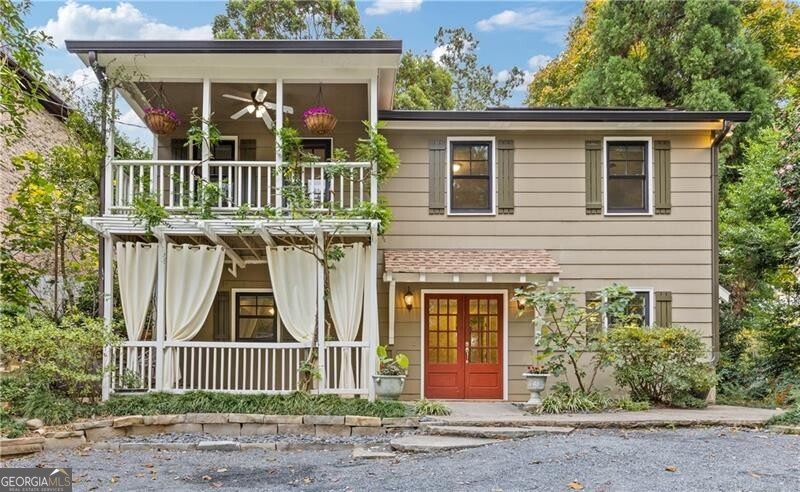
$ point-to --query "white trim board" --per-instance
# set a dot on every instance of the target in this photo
(506, 314)
(651, 194)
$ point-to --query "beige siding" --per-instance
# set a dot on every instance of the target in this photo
(663, 252)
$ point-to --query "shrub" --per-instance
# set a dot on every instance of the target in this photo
(64, 358)
(563, 399)
(660, 365)
(430, 407)
(9, 427)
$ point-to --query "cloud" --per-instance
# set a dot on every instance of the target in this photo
(383, 7)
(81, 21)
(438, 53)
(528, 19)
(535, 63)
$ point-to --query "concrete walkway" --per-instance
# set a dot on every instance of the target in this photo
(506, 414)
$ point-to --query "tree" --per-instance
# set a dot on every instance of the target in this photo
(475, 86)
(20, 49)
(775, 24)
(289, 19)
(422, 84)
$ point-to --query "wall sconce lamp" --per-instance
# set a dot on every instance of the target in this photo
(520, 304)
(408, 299)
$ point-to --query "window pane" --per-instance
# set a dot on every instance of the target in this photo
(480, 168)
(480, 153)
(256, 328)
(470, 194)
(461, 168)
(461, 152)
(627, 194)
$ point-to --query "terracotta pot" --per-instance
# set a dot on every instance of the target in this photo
(321, 123)
(159, 123)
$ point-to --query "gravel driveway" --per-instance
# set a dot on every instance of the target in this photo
(683, 459)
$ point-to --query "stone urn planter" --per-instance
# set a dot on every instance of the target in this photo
(536, 383)
(388, 387)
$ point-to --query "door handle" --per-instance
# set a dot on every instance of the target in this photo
(466, 354)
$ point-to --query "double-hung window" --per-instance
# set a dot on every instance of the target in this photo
(471, 177)
(255, 316)
(627, 176)
(639, 309)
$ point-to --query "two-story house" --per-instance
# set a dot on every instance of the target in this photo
(483, 202)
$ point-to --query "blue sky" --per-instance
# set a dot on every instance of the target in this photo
(524, 34)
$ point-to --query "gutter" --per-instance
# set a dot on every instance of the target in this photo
(719, 136)
(100, 73)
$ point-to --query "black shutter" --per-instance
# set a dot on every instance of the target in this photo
(505, 176)
(664, 309)
(437, 161)
(663, 176)
(594, 177)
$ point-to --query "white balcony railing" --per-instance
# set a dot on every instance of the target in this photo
(176, 185)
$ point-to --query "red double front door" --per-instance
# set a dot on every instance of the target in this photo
(464, 346)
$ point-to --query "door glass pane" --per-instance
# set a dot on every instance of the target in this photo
(432, 306)
(433, 323)
(493, 306)
(453, 306)
(473, 306)
(442, 306)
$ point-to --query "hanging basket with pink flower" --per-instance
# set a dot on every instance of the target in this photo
(161, 121)
(319, 120)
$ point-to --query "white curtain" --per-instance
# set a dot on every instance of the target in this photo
(136, 266)
(193, 274)
(293, 273)
(345, 303)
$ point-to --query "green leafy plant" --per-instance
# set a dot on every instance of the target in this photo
(147, 211)
(430, 407)
(568, 336)
(660, 365)
(9, 426)
(563, 399)
(391, 366)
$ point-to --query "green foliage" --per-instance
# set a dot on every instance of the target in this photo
(148, 212)
(660, 365)
(50, 407)
(567, 335)
(19, 96)
(289, 19)
(391, 366)
(9, 426)
(195, 137)
(60, 358)
(563, 399)
(475, 86)
(422, 84)
(375, 148)
(298, 403)
(425, 407)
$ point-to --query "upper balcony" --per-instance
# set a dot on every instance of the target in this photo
(245, 92)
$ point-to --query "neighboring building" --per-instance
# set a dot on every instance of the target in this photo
(484, 202)
(44, 129)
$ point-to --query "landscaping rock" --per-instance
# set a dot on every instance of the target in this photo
(259, 429)
(34, 424)
(400, 422)
(427, 444)
(207, 418)
(246, 418)
(92, 424)
(20, 449)
(21, 441)
(786, 429)
(218, 446)
(164, 419)
(183, 428)
(63, 434)
(323, 419)
(301, 429)
(145, 430)
(362, 421)
(103, 433)
(333, 430)
(128, 421)
(64, 442)
(368, 431)
(266, 446)
(283, 419)
(223, 429)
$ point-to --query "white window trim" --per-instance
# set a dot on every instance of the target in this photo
(224, 138)
(650, 183)
(234, 305)
(423, 312)
(651, 306)
(492, 181)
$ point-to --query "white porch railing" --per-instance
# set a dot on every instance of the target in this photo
(235, 367)
(175, 184)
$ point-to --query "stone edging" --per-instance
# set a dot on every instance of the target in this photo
(219, 424)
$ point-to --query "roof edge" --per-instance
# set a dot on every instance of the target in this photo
(566, 114)
(277, 46)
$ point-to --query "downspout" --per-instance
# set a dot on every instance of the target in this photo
(718, 137)
(101, 249)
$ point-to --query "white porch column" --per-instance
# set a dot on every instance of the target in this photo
(108, 310)
(161, 314)
(108, 185)
(206, 113)
(323, 370)
(373, 332)
(278, 150)
(373, 121)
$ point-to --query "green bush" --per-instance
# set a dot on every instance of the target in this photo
(660, 365)
(430, 407)
(64, 358)
(9, 427)
(563, 399)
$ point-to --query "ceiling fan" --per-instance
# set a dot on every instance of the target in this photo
(258, 105)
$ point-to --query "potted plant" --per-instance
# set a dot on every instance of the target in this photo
(161, 121)
(536, 378)
(319, 119)
(391, 374)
